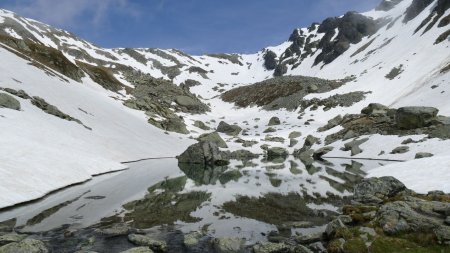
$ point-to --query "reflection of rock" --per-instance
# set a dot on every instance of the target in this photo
(202, 175)
(213, 137)
(203, 153)
(143, 240)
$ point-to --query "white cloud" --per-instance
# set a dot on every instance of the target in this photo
(72, 12)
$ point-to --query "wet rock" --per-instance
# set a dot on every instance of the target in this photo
(295, 135)
(228, 129)
(7, 226)
(415, 117)
(375, 109)
(375, 190)
(400, 150)
(421, 155)
(213, 137)
(309, 238)
(203, 153)
(228, 245)
(331, 124)
(25, 246)
(8, 101)
(192, 239)
(201, 125)
(242, 155)
(9, 238)
(138, 250)
(276, 152)
(270, 247)
(115, 230)
(274, 121)
(143, 240)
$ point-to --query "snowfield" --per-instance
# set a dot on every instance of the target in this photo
(40, 153)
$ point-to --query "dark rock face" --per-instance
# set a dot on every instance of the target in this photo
(387, 5)
(270, 61)
(203, 153)
(228, 129)
(415, 117)
(8, 101)
(415, 9)
(276, 152)
(352, 28)
(375, 190)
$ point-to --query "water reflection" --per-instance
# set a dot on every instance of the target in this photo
(246, 198)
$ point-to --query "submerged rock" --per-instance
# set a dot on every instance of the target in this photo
(8, 101)
(276, 152)
(203, 153)
(25, 246)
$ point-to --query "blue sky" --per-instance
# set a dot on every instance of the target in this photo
(194, 26)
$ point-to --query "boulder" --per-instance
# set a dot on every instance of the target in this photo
(228, 245)
(270, 130)
(294, 135)
(189, 103)
(276, 152)
(143, 240)
(213, 137)
(138, 250)
(375, 190)
(192, 239)
(421, 155)
(17, 93)
(8, 101)
(9, 238)
(415, 117)
(201, 125)
(203, 153)
(375, 109)
(400, 150)
(25, 246)
(274, 121)
(228, 129)
(331, 124)
(321, 152)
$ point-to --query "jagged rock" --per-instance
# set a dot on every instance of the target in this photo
(375, 109)
(203, 153)
(349, 135)
(321, 152)
(25, 246)
(400, 150)
(213, 137)
(270, 61)
(353, 146)
(192, 239)
(375, 190)
(228, 129)
(242, 155)
(8, 101)
(138, 250)
(201, 125)
(415, 117)
(274, 121)
(295, 135)
(421, 155)
(276, 152)
(228, 245)
(17, 93)
(331, 124)
(143, 240)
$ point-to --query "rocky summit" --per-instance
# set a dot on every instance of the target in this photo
(333, 140)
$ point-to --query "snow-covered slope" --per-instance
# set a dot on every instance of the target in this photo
(41, 153)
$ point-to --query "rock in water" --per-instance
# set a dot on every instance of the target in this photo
(25, 246)
(203, 153)
(228, 245)
(415, 117)
(375, 190)
(143, 240)
(228, 129)
(8, 101)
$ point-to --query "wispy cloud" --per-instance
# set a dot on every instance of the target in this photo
(73, 12)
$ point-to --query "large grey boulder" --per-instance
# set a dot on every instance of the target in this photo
(274, 121)
(25, 246)
(415, 117)
(228, 129)
(9, 238)
(331, 124)
(213, 137)
(203, 153)
(8, 101)
(375, 190)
